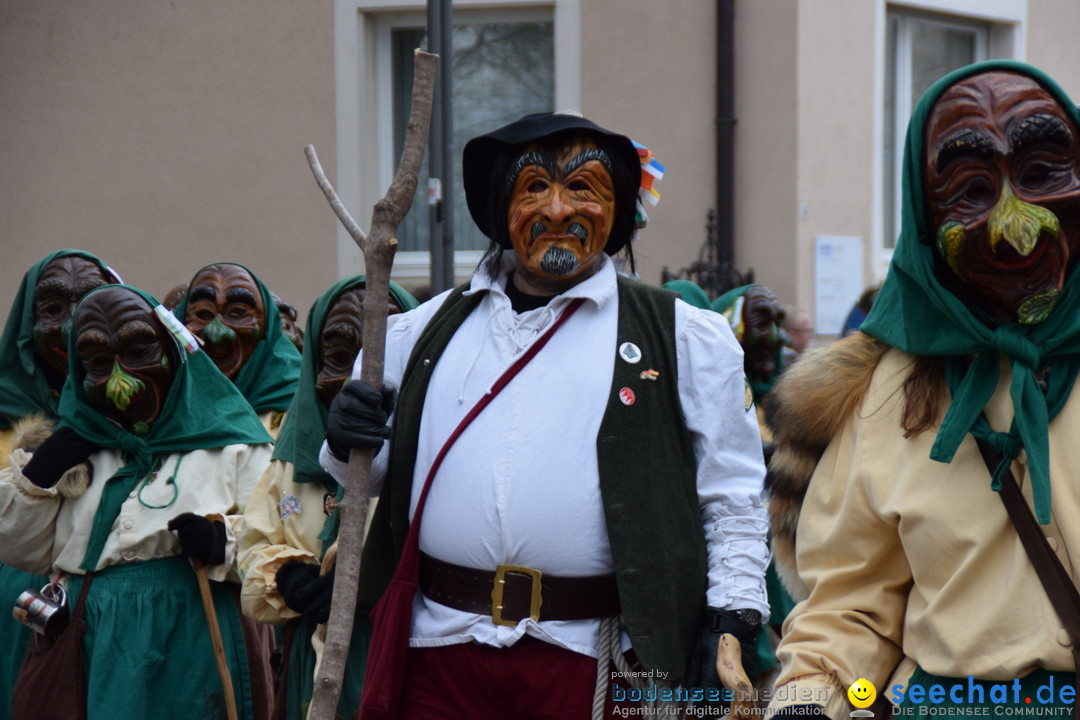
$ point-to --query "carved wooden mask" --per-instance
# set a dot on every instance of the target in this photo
(1002, 172)
(126, 355)
(561, 211)
(59, 287)
(225, 308)
(340, 342)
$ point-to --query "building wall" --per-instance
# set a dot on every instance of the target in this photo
(648, 70)
(766, 136)
(1051, 42)
(839, 115)
(166, 136)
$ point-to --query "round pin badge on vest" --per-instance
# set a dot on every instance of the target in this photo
(627, 396)
(630, 352)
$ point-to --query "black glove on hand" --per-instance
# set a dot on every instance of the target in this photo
(357, 418)
(703, 659)
(60, 452)
(304, 590)
(200, 539)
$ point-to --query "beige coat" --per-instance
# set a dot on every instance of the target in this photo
(909, 560)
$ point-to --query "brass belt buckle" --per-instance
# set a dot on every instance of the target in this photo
(499, 586)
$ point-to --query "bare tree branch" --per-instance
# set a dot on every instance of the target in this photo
(378, 248)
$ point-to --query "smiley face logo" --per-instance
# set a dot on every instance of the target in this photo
(862, 693)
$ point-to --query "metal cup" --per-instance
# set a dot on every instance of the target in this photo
(43, 611)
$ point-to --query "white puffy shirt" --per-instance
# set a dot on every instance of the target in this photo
(521, 484)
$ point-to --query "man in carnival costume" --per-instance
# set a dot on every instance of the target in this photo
(239, 323)
(887, 516)
(174, 451)
(33, 365)
(612, 490)
(291, 520)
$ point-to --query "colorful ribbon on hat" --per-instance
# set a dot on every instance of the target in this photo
(651, 171)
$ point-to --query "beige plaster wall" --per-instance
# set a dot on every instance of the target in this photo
(766, 134)
(839, 116)
(648, 70)
(1051, 41)
(165, 136)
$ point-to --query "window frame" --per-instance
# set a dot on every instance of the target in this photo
(1003, 21)
(362, 62)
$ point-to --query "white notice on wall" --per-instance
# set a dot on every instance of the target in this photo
(838, 280)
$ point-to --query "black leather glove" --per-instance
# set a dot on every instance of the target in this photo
(703, 659)
(304, 590)
(357, 418)
(793, 712)
(60, 452)
(200, 539)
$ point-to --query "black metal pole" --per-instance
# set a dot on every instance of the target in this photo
(435, 155)
(725, 130)
(446, 128)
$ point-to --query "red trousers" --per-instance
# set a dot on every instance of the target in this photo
(530, 680)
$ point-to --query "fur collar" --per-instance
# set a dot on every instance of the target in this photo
(806, 409)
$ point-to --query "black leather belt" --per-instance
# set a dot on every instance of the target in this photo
(512, 593)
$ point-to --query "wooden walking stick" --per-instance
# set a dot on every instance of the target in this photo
(215, 638)
(378, 248)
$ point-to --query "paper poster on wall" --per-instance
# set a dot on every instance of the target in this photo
(838, 280)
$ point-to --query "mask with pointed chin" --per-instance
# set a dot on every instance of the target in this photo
(1002, 178)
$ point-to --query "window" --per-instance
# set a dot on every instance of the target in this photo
(505, 66)
(502, 70)
(919, 50)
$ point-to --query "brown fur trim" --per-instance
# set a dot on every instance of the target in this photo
(74, 482)
(805, 410)
(29, 432)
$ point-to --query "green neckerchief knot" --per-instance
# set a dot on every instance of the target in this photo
(973, 389)
(916, 313)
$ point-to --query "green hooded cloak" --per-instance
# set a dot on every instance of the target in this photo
(269, 377)
(23, 387)
(915, 313)
(202, 410)
(304, 429)
(690, 292)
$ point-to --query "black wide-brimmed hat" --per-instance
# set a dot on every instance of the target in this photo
(482, 154)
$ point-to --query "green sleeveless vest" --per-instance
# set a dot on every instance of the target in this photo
(647, 469)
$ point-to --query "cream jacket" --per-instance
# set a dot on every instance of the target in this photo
(912, 561)
(41, 532)
(281, 524)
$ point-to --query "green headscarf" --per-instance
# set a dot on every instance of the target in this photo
(269, 377)
(23, 387)
(304, 429)
(730, 305)
(690, 292)
(202, 410)
(915, 313)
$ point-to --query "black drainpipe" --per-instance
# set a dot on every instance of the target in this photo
(725, 130)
